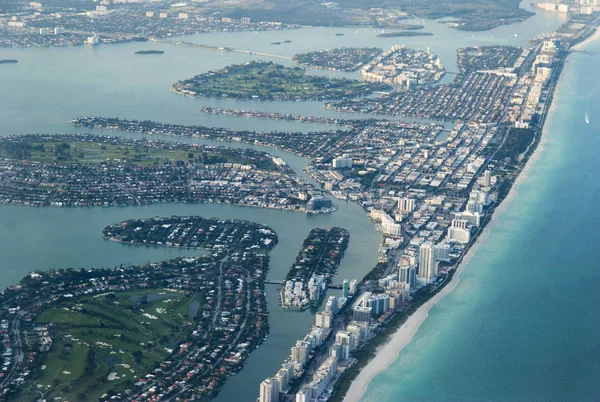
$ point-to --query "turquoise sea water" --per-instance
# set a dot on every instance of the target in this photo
(523, 323)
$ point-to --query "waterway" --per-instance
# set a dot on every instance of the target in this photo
(48, 87)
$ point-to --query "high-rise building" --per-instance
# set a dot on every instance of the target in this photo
(342, 162)
(323, 319)
(304, 394)
(362, 314)
(245, 20)
(300, 352)
(352, 288)
(389, 226)
(408, 274)
(345, 288)
(345, 339)
(487, 178)
(427, 264)
(442, 252)
(459, 231)
(93, 40)
(406, 205)
(332, 304)
(269, 390)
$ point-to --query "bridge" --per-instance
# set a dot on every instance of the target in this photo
(281, 283)
(218, 48)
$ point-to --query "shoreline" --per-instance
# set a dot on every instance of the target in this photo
(389, 352)
(579, 46)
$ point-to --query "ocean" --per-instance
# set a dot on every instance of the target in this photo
(523, 322)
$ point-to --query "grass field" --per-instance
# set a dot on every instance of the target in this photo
(103, 343)
(90, 152)
(265, 80)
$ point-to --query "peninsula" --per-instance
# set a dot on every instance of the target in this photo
(269, 81)
(131, 331)
(316, 263)
(88, 170)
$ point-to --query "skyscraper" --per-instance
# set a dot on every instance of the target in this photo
(352, 288)
(345, 288)
(269, 390)
(427, 265)
(406, 205)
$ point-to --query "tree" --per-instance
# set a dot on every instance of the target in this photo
(137, 356)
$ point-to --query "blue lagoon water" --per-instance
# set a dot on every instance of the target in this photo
(523, 322)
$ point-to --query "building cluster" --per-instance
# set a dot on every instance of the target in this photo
(316, 263)
(123, 181)
(388, 225)
(531, 90)
(478, 94)
(584, 7)
(339, 59)
(39, 24)
(329, 346)
(404, 67)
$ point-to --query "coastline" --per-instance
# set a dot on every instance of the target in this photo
(579, 46)
(389, 352)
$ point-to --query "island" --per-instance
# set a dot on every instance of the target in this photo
(487, 58)
(8, 61)
(399, 34)
(176, 327)
(316, 263)
(339, 59)
(475, 92)
(269, 81)
(404, 67)
(150, 52)
(92, 170)
(410, 26)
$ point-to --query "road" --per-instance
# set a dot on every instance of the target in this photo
(220, 48)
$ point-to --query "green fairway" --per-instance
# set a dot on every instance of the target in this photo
(93, 152)
(265, 80)
(104, 342)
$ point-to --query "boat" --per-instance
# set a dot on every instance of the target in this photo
(587, 117)
(8, 61)
(275, 43)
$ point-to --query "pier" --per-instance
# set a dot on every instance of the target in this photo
(218, 48)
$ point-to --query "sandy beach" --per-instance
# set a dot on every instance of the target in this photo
(390, 351)
(584, 43)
